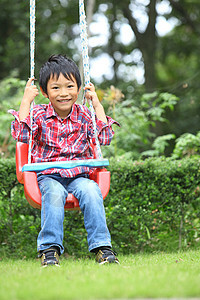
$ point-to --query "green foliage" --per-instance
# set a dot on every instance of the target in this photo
(8, 178)
(154, 196)
(174, 57)
(137, 117)
(178, 67)
(152, 205)
(10, 98)
(159, 145)
(12, 91)
(19, 222)
(186, 145)
(11, 95)
(57, 37)
(156, 103)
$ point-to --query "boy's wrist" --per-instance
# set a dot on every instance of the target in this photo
(25, 101)
(98, 105)
(100, 113)
(24, 108)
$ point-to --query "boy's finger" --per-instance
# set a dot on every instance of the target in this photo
(88, 85)
(29, 82)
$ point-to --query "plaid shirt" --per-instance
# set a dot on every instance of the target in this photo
(56, 139)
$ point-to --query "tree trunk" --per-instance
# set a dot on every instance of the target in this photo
(146, 42)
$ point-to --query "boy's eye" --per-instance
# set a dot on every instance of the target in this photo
(55, 87)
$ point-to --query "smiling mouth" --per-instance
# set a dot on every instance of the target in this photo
(64, 100)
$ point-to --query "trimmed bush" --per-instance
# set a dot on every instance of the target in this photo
(153, 205)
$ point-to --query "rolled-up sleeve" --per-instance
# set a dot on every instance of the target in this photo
(20, 130)
(105, 131)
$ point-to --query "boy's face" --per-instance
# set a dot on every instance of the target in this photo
(62, 94)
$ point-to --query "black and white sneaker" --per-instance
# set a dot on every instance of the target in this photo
(50, 257)
(105, 256)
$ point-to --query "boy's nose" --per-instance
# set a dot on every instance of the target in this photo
(63, 92)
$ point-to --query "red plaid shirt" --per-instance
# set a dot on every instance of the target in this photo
(55, 139)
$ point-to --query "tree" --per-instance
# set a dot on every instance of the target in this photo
(171, 62)
(146, 41)
(13, 37)
(179, 65)
(55, 33)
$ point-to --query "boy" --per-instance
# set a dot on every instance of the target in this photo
(62, 130)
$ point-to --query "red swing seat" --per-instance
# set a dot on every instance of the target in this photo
(31, 190)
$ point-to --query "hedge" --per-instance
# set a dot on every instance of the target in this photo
(153, 205)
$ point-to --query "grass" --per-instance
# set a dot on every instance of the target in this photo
(161, 275)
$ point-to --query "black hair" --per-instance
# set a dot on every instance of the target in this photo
(56, 65)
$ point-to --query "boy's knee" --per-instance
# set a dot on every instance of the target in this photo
(91, 187)
(53, 192)
(90, 194)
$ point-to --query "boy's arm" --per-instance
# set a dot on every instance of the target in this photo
(99, 110)
(30, 93)
(20, 127)
(104, 123)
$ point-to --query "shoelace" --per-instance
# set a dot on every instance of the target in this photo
(108, 251)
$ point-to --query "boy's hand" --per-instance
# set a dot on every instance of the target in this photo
(91, 94)
(30, 92)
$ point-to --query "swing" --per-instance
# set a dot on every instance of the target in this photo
(31, 190)
(26, 171)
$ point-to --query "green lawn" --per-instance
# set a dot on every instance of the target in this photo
(142, 275)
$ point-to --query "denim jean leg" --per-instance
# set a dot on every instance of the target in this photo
(91, 203)
(52, 213)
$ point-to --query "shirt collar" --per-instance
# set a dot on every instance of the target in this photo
(73, 114)
(50, 111)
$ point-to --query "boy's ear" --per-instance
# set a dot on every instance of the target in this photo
(43, 93)
(79, 90)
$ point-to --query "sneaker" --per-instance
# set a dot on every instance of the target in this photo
(50, 257)
(105, 256)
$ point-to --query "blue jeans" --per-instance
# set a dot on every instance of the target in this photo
(54, 190)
